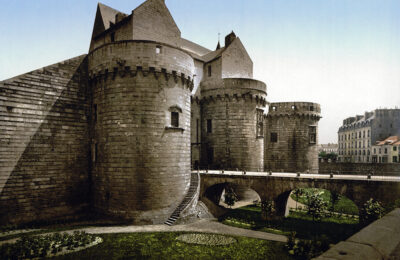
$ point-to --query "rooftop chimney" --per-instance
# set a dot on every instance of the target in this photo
(229, 39)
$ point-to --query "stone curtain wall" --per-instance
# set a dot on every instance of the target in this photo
(389, 169)
(44, 143)
(142, 163)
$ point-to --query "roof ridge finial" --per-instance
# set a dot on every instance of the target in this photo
(218, 45)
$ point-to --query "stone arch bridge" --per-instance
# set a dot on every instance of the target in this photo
(277, 186)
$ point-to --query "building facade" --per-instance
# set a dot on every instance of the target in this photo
(328, 148)
(117, 131)
(357, 134)
(386, 151)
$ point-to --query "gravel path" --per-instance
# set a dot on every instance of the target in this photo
(203, 225)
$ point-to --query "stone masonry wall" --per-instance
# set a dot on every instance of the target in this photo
(122, 32)
(386, 123)
(389, 169)
(142, 163)
(44, 143)
(236, 63)
(153, 21)
(292, 152)
(195, 132)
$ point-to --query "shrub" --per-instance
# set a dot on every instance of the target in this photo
(307, 249)
(230, 197)
(316, 205)
(371, 211)
(267, 208)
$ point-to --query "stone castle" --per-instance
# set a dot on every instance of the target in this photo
(118, 130)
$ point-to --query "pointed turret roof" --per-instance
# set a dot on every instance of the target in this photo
(105, 15)
(218, 46)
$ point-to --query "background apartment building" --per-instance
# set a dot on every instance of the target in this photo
(386, 151)
(358, 134)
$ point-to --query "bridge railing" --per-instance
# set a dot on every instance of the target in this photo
(301, 175)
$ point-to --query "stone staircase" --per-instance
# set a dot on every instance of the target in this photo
(189, 198)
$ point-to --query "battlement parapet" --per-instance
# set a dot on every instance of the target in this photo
(129, 57)
(234, 89)
(294, 109)
(103, 76)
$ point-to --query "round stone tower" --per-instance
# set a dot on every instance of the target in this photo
(232, 124)
(141, 128)
(291, 137)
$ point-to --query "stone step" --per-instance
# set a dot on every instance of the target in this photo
(194, 182)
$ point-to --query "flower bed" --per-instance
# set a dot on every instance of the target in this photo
(47, 245)
(206, 239)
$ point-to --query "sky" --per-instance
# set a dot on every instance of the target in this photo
(342, 54)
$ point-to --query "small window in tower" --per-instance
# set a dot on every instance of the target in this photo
(313, 134)
(273, 108)
(311, 108)
(209, 126)
(210, 155)
(112, 36)
(158, 49)
(260, 123)
(274, 137)
(209, 70)
(94, 152)
(293, 107)
(94, 112)
(174, 119)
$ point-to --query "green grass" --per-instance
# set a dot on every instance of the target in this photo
(344, 205)
(335, 228)
(166, 246)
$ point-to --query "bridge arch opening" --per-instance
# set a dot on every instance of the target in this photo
(243, 195)
(298, 199)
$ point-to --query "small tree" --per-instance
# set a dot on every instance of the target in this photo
(334, 199)
(267, 208)
(371, 211)
(230, 197)
(316, 205)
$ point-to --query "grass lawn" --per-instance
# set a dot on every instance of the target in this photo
(335, 228)
(166, 246)
(343, 205)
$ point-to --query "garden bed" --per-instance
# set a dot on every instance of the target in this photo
(206, 239)
(49, 245)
